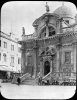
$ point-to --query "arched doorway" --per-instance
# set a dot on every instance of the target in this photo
(46, 67)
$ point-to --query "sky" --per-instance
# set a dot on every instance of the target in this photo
(18, 14)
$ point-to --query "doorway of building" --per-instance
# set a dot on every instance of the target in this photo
(46, 67)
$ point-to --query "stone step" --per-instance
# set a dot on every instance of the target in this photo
(29, 82)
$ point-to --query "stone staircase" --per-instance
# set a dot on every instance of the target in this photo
(47, 77)
(50, 76)
(34, 81)
(26, 79)
(22, 78)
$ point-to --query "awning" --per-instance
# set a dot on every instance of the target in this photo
(6, 68)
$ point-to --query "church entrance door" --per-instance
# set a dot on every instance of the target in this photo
(46, 67)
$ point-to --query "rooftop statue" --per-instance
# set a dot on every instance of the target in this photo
(47, 7)
(23, 30)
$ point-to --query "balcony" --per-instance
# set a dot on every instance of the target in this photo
(26, 37)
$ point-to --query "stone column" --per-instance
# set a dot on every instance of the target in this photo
(60, 25)
(61, 31)
(47, 31)
(23, 61)
(57, 60)
(60, 69)
(35, 64)
(75, 57)
(76, 18)
(51, 66)
(76, 61)
(35, 61)
(41, 67)
(59, 54)
(36, 30)
(22, 58)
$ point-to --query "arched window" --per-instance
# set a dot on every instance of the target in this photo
(43, 33)
(51, 31)
(5, 44)
(4, 55)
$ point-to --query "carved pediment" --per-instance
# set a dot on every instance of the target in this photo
(47, 51)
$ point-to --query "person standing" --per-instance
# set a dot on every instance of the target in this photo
(18, 81)
(40, 81)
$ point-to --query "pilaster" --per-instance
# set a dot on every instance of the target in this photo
(35, 60)
(59, 57)
(23, 61)
(47, 31)
(41, 67)
(23, 58)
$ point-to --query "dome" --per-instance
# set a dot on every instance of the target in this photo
(64, 11)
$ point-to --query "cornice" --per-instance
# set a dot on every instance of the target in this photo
(6, 36)
(9, 39)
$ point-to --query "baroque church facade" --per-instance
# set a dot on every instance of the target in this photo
(51, 51)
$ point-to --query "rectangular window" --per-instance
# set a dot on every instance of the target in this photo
(68, 57)
(5, 44)
(4, 55)
(19, 60)
(12, 59)
(12, 47)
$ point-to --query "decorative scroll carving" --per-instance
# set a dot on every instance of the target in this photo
(47, 51)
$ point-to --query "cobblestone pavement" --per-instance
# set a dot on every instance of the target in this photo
(13, 91)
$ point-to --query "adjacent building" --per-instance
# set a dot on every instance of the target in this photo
(10, 55)
(51, 51)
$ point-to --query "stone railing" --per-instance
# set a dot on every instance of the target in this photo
(25, 76)
(69, 29)
(47, 76)
(59, 76)
(26, 37)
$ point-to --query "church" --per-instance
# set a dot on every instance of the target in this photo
(51, 51)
